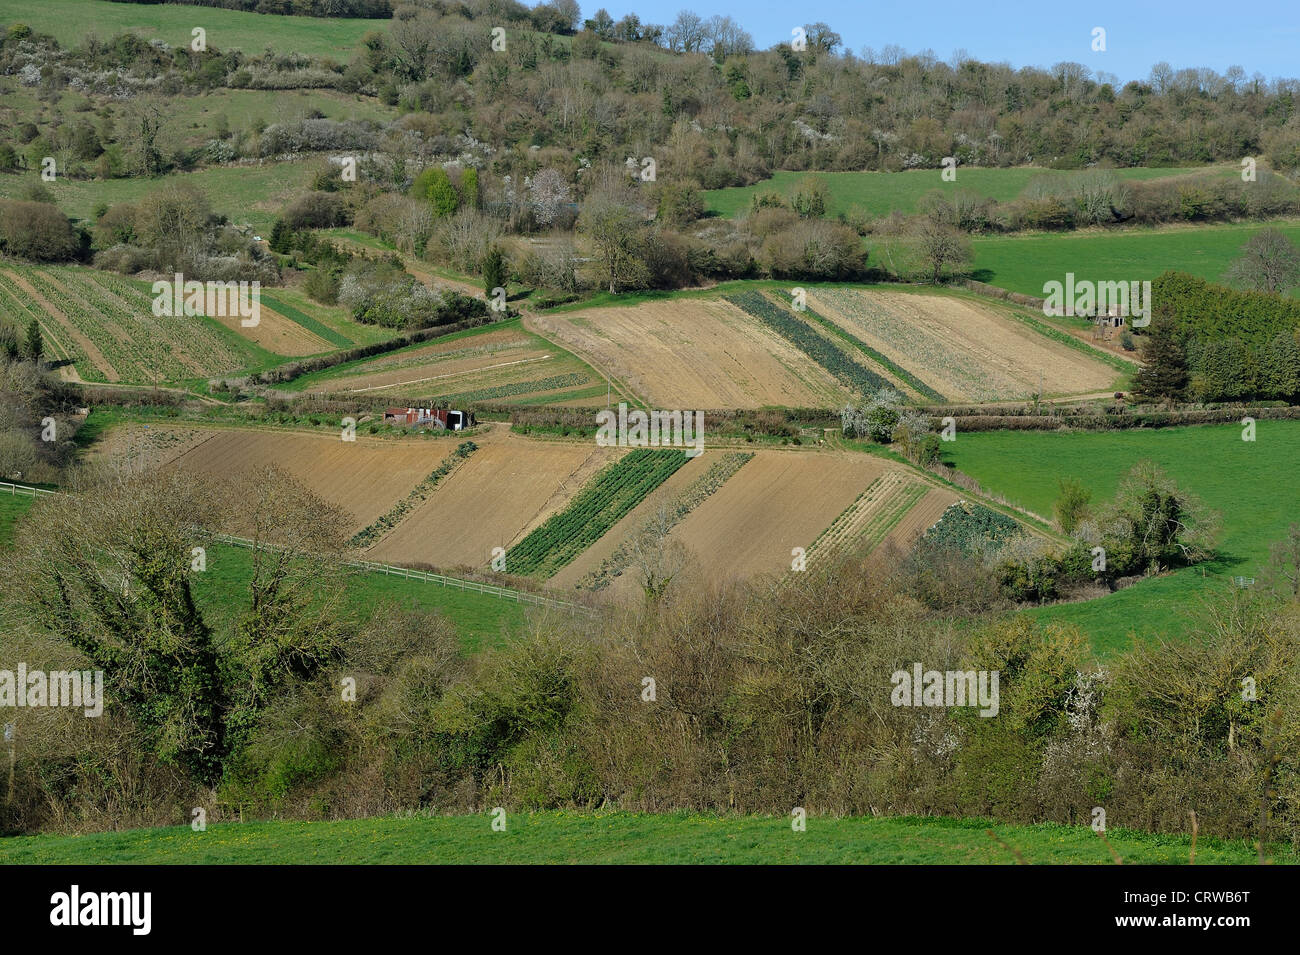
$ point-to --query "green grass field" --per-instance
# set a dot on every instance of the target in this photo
(1247, 483)
(248, 195)
(558, 837)
(12, 507)
(1023, 263)
(880, 193)
(70, 20)
(481, 620)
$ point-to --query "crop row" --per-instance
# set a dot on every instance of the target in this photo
(18, 310)
(317, 328)
(593, 511)
(971, 528)
(518, 388)
(870, 518)
(198, 338)
(118, 319)
(881, 359)
(418, 494)
(927, 347)
(106, 323)
(676, 510)
(816, 346)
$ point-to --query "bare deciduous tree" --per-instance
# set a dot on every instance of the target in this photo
(657, 559)
(1269, 262)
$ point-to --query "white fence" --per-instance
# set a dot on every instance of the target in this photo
(505, 593)
(391, 570)
(22, 490)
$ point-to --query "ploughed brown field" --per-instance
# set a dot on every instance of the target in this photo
(694, 353)
(501, 492)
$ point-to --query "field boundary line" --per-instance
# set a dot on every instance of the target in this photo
(392, 570)
(25, 489)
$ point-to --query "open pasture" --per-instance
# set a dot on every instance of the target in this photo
(880, 193)
(1248, 483)
(68, 22)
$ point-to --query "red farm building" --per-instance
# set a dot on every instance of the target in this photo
(448, 418)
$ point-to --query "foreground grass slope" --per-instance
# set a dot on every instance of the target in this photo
(557, 837)
(1248, 483)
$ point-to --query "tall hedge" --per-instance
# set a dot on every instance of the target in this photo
(1239, 345)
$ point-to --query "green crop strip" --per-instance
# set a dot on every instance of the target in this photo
(519, 388)
(815, 346)
(695, 495)
(902, 374)
(317, 328)
(594, 510)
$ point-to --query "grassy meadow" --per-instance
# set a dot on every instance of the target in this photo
(249, 195)
(1022, 263)
(1248, 484)
(880, 193)
(480, 620)
(66, 21)
(582, 838)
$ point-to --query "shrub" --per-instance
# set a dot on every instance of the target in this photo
(37, 231)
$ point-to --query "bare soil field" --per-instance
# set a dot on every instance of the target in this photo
(277, 334)
(504, 489)
(966, 350)
(508, 364)
(778, 501)
(365, 478)
(694, 353)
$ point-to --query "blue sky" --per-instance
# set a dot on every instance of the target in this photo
(1261, 37)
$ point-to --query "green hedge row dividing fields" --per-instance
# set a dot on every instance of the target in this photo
(593, 511)
(807, 340)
